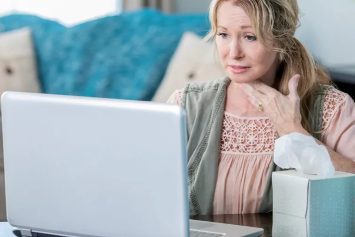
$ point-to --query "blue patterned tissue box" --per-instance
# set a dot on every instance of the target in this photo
(306, 205)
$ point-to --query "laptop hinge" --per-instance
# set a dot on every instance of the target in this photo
(26, 233)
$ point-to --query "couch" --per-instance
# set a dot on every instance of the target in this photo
(123, 56)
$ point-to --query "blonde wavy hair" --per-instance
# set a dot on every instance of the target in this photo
(277, 20)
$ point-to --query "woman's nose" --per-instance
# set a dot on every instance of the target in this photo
(236, 51)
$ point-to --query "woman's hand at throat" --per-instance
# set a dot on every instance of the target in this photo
(283, 111)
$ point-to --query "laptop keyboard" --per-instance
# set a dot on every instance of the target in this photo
(196, 233)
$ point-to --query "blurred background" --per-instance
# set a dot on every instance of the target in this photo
(141, 49)
(70, 12)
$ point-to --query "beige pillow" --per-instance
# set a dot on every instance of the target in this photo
(18, 70)
(194, 61)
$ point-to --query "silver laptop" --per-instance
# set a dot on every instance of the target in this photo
(80, 166)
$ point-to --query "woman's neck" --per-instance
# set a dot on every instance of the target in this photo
(238, 104)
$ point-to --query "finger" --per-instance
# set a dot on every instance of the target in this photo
(255, 102)
(252, 92)
(292, 86)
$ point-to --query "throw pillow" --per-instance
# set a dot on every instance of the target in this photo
(194, 61)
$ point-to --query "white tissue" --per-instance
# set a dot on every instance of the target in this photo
(301, 152)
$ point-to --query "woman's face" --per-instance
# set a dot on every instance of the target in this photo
(243, 57)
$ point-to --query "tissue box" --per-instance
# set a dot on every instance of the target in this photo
(307, 205)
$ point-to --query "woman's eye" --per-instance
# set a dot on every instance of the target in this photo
(250, 38)
(223, 35)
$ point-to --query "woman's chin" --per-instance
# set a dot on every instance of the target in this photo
(240, 78)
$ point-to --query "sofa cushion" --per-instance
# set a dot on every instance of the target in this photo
(18, 71)
(194, 61)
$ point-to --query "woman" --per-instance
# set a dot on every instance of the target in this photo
(273, 88)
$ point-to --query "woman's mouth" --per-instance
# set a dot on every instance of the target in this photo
(238, 69)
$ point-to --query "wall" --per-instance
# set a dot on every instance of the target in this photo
(192, 6)
(67, 12)
(328, 31)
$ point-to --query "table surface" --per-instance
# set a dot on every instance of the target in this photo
(256, 220)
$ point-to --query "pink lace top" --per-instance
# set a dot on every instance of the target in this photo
(247, 146)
